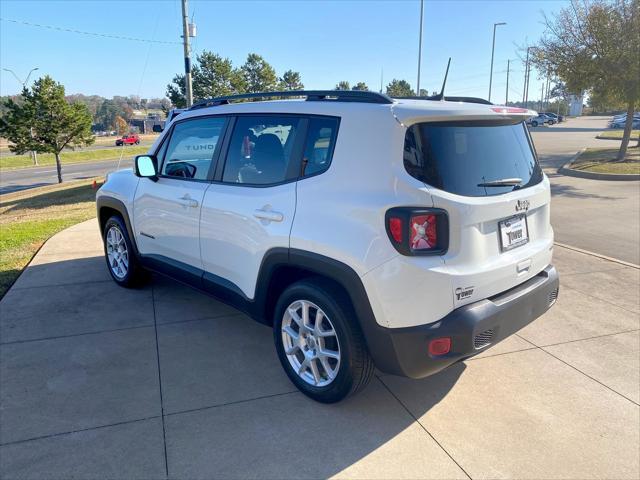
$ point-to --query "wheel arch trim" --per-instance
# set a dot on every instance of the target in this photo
(105, 201)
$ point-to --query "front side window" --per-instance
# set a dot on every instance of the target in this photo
(471, 158)
(321, 138)
(260, 150)
(190, 150)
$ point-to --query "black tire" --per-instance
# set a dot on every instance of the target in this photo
(356, 366)
(534, 123)
(135, 275)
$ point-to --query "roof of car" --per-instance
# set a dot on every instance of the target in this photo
(405, 110)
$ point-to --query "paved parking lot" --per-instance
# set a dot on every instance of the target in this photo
(600, 216)
(102, 382)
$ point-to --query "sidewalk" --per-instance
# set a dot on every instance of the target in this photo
(98, 381)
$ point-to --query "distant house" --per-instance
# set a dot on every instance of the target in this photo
(145, 125)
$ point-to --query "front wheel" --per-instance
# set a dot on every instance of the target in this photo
(534, 123)
(119, 254)
(319, 343)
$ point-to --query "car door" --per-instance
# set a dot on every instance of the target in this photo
(249, 210)
(167, 211)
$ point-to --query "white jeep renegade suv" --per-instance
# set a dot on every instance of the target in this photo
(367, 231)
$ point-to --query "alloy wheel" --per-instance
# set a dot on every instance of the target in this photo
(310, 343)
(117, 252)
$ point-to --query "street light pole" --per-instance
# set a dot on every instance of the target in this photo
(187, 53)
(34, 154)
(493, 47)
(420, 47)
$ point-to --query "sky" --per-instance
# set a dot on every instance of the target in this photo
(326, 41)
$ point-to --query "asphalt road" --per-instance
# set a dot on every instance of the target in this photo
(14, 180)
(595, 215)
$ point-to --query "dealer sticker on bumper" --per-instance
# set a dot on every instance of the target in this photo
(513, 232)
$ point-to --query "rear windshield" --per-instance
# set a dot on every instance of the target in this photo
(471, 158)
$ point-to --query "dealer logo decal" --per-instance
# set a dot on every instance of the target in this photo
(462, 293)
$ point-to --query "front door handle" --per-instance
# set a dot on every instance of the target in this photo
(268, 215)
(187, 201)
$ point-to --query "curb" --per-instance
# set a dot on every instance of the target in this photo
(566, 169)
(598, 255)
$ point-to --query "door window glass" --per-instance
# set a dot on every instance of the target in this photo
(190, 149)
(260, 150)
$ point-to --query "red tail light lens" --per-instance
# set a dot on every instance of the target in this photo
(440, 346)
(424, 235)
(395, 229)
(418, 231)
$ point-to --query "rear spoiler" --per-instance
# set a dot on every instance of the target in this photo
(408, 114)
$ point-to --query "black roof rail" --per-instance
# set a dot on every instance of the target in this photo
(449, 99)
(311, 95)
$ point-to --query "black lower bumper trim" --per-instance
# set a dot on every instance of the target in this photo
(472, 328)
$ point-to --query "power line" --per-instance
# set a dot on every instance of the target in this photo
(72, 30)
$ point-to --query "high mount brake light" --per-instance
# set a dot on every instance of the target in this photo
(509, 110)
(418, 231)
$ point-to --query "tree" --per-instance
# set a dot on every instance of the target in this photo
(258, 75)
(594, 47)
(399, 88)
(360, 86)
(122, 127)
(56, 124)
(212, 76)
(291, 80)
(342, 85)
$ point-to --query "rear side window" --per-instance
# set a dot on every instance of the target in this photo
(260, 149)
(318, 150)
(463, 158)
(189, 151)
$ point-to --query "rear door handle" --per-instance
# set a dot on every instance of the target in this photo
(187, 201)
(268, 215)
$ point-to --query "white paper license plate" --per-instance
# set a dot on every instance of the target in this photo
(513, 232)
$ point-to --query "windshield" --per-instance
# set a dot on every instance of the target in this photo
(471, 158)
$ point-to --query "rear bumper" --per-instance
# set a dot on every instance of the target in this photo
(472, 328)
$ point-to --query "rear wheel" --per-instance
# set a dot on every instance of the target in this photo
(119, 254)
(319, 345)
(534, 123)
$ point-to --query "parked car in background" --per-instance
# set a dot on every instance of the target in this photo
(619, 121)
(555, 116)
(128, 140)
(539, 120)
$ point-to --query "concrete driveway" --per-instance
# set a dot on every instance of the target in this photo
(102, 382)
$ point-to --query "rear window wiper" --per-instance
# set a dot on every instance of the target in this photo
(503, 182)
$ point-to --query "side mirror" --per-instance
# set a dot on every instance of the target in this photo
(157, 128)
(146, 166)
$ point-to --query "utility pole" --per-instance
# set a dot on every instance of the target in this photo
(34, 154)
(187, 53)
(420, 47)
(493, 47)
(506, 94)
(525, 87)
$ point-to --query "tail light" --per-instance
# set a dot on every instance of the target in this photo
(418, 231)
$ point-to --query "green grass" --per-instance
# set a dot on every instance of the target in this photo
(29, 218)
(617, 135)
(602, 160)
(11, 162)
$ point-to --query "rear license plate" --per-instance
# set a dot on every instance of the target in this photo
(513, 232)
